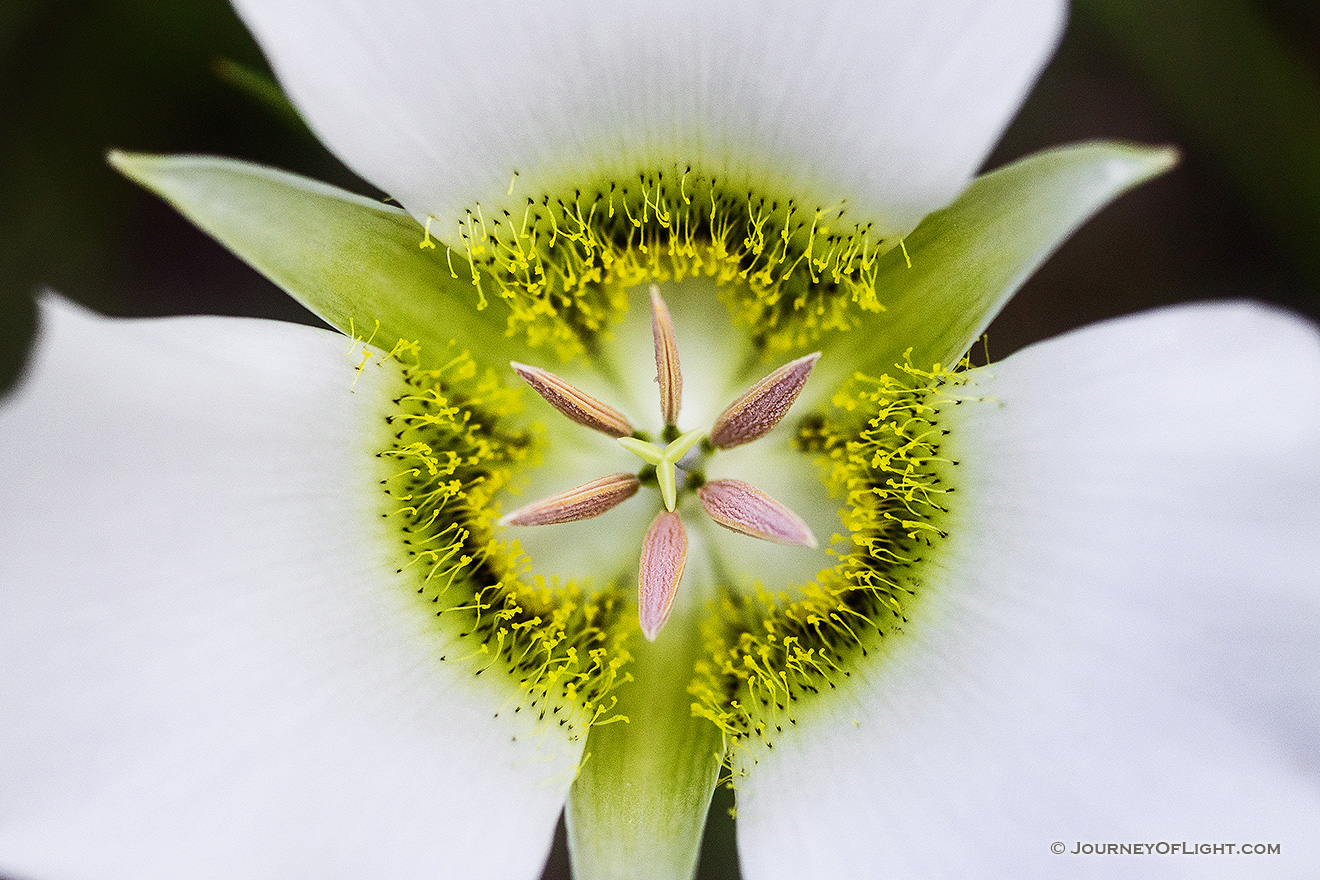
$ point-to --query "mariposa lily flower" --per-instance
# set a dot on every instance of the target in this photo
(261, 617)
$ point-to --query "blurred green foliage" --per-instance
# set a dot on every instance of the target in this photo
(1246, 95)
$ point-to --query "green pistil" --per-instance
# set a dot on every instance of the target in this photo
(664, 460)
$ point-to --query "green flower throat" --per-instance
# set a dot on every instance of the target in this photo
(562, 262)
(865, 462)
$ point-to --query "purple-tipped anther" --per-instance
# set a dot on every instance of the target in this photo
(581, 502)
(664, 553)
(743, 508)
(667, 372)
(762, 406)
(573, 402)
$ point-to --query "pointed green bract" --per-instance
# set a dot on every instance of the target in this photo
(259, 87)
(968, 259)
(638, 807)
(351, 260)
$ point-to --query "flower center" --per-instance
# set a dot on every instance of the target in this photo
(718, 364)
(734, 504)
(634, 500)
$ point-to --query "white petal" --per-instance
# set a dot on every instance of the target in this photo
(891, 105)
(1119, 642)
(209, 669)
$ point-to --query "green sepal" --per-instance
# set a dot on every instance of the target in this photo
(959, 267)
(351, 260)
(638, 806)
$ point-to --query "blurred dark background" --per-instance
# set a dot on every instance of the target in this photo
(1233, 83)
